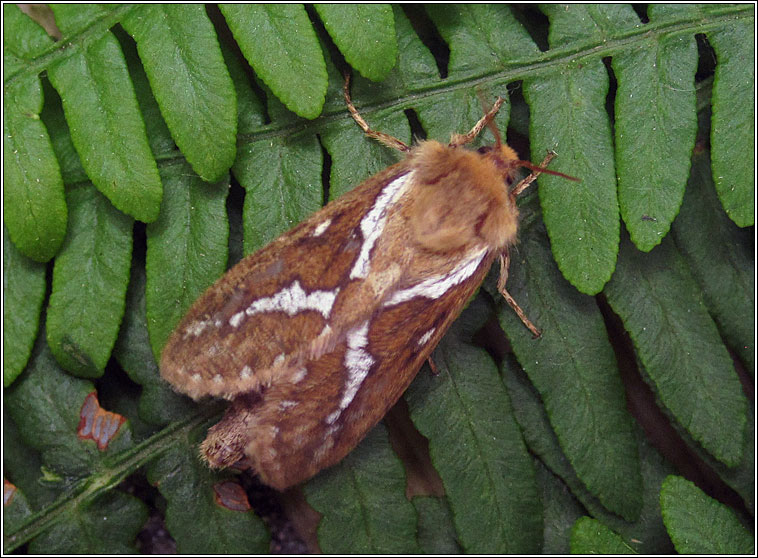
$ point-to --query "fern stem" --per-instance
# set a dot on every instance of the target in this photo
(87, 489)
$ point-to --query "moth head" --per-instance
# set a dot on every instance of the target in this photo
(506, 159)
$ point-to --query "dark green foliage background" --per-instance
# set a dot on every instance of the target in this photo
(151, 146)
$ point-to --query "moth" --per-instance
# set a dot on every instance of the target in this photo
(315, 336)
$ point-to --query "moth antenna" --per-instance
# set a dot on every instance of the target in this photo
(541, 169)
(381, 137)
(462, 139)
(536, 171)
(495, 132)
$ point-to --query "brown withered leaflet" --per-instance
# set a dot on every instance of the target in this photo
(315, 336)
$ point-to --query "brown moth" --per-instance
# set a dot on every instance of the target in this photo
(315, 336)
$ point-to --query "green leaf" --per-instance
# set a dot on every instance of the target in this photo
(50, 408)
(83, 458)
(180, 53)
(655, 132)
(645, 535)
(700, 525)
(589, 536)
(90, 277)
(568, 117)
(207, 512)
(24, 39)
(107, 525)
(355, 157)
(363, 497)
(742, 477)
(365, 35)
(158, 403)
(436, 532)
(476, 446)
(103, 117)
(186, 249)
(573, 367)
(280, 44)
(250, 113)
(721, 258)
(576, 24)
(75, 520)
(89, 283)
(60, 137)
(481, 37)
(35, 211)
(733, 131)
(15, 506)
(561, 510)
(158, 135)
(23, 294)
(282, 180)
(34, 207)
(679, 346)
(22, 465)
(415, 65)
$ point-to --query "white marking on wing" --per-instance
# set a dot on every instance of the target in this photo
(327, 444)
(373, 222)
(333, 416)
(436, 286)
(235, 320)
(293, 300)
(299, 374)
(358, 361)
(196, 328)
(321, 228)
(426, 337)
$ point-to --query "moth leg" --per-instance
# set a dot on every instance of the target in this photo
(462, 139)
(505, 261)
(524, 184)
(381, 137)
(435, 370)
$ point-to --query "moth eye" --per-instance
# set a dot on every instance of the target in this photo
(484, 150)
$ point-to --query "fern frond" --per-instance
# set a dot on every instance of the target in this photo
(150, 142)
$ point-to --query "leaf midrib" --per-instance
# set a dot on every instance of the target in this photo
(560, 56)
(554, 57)
(431, 88)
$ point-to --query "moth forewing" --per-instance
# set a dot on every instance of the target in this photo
(266, 313)
(317, 335)
(313, 424)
